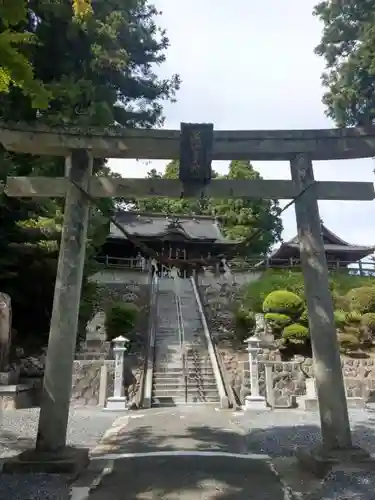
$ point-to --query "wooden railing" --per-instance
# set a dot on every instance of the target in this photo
(364, 268)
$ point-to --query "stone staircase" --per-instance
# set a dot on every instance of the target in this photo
(169, 388)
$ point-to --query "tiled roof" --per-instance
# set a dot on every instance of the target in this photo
(158, 225)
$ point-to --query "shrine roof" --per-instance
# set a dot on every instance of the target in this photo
(196, 228)
(332, 244)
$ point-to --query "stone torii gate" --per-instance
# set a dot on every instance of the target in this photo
(196, 145)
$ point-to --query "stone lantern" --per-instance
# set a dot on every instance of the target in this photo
(118, 402)
(255, 401)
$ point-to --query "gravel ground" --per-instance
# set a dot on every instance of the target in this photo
(18, 428)
(279, 432)
(18, 431)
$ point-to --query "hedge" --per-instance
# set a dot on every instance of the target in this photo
(362, 299)
(296, 333)
(368, 321)
(278, 320)
(283, 302)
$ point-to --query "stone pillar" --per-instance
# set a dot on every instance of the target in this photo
(255, 401)
(327, 364)
(57, 384)
(5, 331)
(118, 402)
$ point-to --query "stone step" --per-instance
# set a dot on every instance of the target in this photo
(172, 404)
(159, 376)
(177, 386)
(180, 400)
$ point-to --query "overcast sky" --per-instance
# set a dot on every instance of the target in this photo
(250, 65)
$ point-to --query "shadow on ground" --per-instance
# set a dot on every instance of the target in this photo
(190, 478)
(273, 441)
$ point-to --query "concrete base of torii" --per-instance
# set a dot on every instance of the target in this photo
(71, 461)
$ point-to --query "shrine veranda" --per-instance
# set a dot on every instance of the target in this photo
(195, 145)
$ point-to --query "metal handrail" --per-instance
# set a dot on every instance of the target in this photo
(181, 334)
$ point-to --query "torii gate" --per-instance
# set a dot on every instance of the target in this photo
(196, 145)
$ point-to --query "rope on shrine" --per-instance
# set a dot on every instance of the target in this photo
(181, 263)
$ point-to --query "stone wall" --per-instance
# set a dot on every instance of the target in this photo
(87, 374)
(289, 379)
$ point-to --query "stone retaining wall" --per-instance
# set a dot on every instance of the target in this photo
(289, 379)
(87, 375)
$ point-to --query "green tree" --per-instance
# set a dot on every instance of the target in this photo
(15, 67)
(102, 74)
(348, 47)
(239, 218)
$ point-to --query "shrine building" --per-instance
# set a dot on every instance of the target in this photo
(177, 237)
(339, 253)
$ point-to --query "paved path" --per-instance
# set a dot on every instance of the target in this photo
(203, 453)
(183, 454)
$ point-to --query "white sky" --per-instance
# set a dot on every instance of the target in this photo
(250, 65)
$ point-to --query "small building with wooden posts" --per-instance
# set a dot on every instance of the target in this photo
(339, 253)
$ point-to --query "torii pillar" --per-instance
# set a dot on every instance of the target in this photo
(50, 453)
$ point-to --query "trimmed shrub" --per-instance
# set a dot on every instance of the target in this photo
(340, 302)
(283, 302)
(368, 321)
(340, 318)
(353, 330)
(296, 333)
(255, 292)
(304, 318)
(277, 320)
(353, 317)
(362, 299)
(348, 341)
(120, 319)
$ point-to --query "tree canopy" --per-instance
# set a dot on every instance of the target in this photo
(239, 218)
(348, 47)
(15, 67)
(99, 73)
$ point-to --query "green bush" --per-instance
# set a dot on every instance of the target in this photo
(353, 330)
(120, 319)
(353, 317)
(255, 292)
(283, 302)
(296, 333)
(277, 320)
(368, 321)
(341, 282)
(304, 318)
(348, 341)
(340, 318)
(340, 302)
(362, 299)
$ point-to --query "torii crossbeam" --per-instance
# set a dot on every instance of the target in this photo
(196, 145)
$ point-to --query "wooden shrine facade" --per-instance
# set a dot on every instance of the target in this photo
(179, 237)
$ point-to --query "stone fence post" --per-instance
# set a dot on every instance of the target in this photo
(118, 402)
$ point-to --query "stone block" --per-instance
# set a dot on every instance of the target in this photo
(15, 397)
(71, 461)
(9, 378)
(307, 404)
(312, 404)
